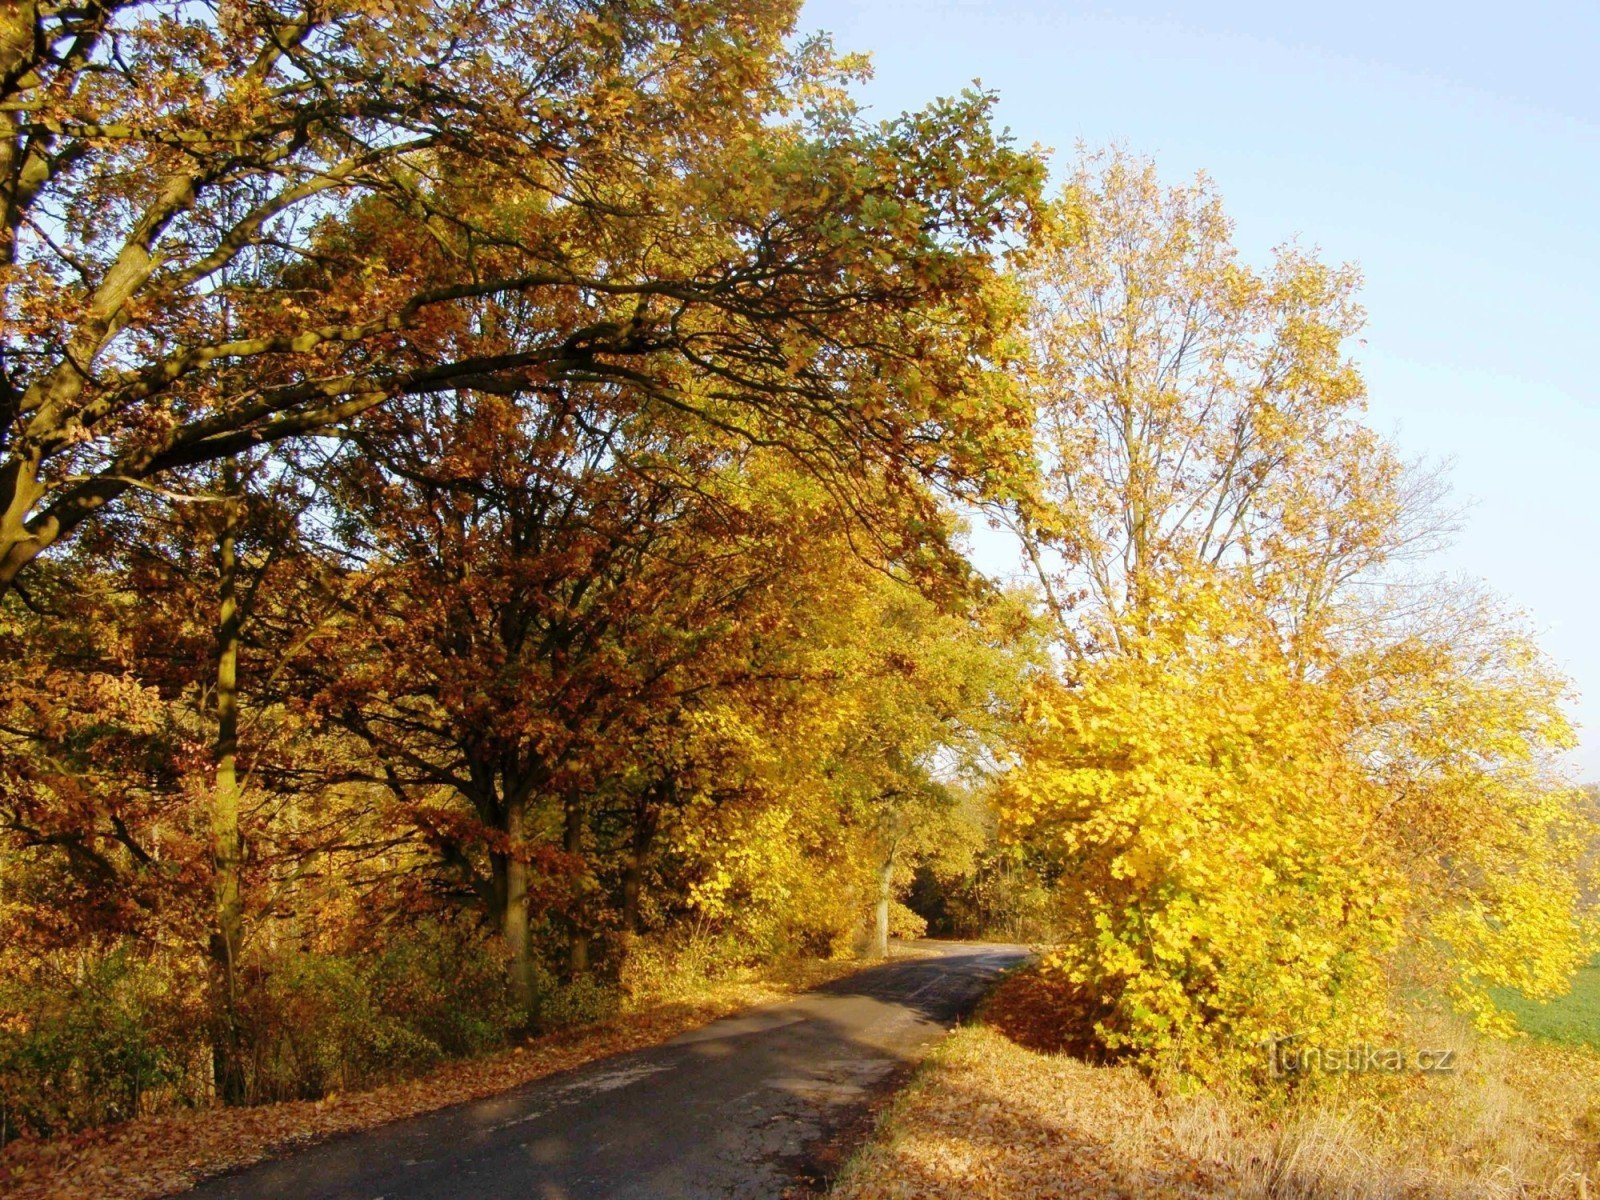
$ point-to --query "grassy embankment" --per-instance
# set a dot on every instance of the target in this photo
(988, 1116)
(1573, 1020)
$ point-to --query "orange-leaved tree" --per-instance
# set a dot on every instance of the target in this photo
(677, 178)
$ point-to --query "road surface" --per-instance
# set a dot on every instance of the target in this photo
(737, 1108)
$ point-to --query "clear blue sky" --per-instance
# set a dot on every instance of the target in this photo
(1452, 150)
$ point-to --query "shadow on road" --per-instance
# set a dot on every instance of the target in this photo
(748, 1106)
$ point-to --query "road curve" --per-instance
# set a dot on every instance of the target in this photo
(732, 1109)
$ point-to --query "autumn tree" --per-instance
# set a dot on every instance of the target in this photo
(542, 588)
(246, 244)
(923, 712)
(849, 760)
(1461, 725)
(1227, 766)
(186, 607)
(92, 757)
(1196, 415)
(572, 153)
(1200, 801)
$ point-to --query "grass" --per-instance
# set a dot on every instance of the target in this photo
(1571, 1020)
(989, 1117)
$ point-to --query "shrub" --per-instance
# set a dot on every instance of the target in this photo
(580, 1001)
(904, 923)
(87, 1039)
(92, 1037)
(322, 1022)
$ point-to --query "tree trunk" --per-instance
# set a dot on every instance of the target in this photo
(632, 883)
(885, 883)
(644, 831)
(228, 929)
(514, 912)
(578, 937)
(19, 485)
(19, 31)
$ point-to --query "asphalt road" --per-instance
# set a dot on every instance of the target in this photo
(738, 1108)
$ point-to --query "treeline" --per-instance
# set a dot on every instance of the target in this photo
(480, 540)
(474, 533)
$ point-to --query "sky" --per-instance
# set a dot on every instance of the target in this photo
(1452, 151)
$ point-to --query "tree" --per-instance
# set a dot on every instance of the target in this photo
(538, 592)
(924, 709)
(1205, 811)
(1254, 786)
(523, 356)
(1195, 415)
(575, 154)
(1461, 724)
(187, 606)
(823, 781)
(1246, 849)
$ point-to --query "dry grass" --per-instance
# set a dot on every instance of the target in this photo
(159, 1156)
(988, 1117)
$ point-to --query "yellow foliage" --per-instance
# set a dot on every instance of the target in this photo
(1260, 793)
(1195, 791)
(1246, 846)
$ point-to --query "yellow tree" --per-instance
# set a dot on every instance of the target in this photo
(849, 761)
(1196, 791)
(1256, 788)
(1460, 726)
(918, 710)
(1253, 850)
(1194, 414)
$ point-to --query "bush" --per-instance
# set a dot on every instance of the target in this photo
(90, 1039)
(904, 923)
(676, 964)
(581, 1001)
(315, 1026)
(87, 1039)
(320, 1023)
(449, 986)
(1007, 898)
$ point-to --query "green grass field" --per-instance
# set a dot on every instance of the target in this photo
(1573, 1020)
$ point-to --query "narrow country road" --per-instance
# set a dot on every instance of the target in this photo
(735, 1109)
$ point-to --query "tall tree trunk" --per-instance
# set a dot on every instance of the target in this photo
(19, 24)
(885, 883)
(644, 831)
(514, 926)
(632, 885)
(19, 488)
(228, 928)
(578, 937)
